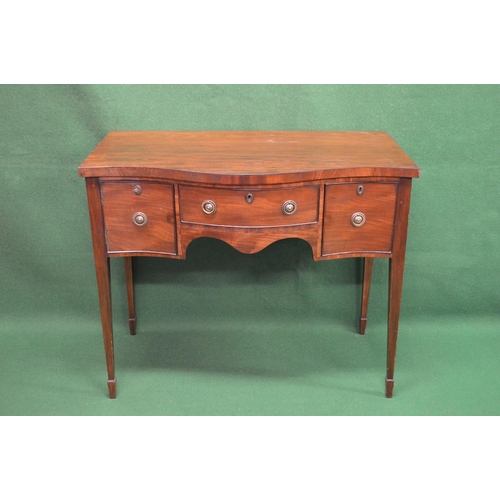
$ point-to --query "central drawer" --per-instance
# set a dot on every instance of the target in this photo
(249, 207)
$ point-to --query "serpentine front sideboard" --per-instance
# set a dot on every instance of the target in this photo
(346, 193)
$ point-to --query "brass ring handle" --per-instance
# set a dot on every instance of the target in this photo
(289, 207)
(209, 207)
(140, 219)
(358, 219)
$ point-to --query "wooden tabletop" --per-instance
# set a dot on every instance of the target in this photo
(247, 157)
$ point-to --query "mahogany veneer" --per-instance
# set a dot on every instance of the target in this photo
(119, 204)
(377, 203)
(346, 193)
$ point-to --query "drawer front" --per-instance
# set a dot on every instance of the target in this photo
(359, 217)
(139, 217)
(249, 208)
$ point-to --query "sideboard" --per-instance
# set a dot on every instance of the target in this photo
(345, 193)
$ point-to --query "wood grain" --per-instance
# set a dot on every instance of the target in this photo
(377, 203)
(396, 270)
(233, 210)
(101, 261)
(168, 175)
(120, 204)
(247, 240)
(247, 157)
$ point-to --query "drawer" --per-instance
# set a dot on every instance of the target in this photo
(359, 217)
(139, 217)
(250, 207)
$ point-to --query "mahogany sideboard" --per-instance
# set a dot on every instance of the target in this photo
(346, 193)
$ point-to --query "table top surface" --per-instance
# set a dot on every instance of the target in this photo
(247, 156)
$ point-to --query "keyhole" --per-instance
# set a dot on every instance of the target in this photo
(249, 197)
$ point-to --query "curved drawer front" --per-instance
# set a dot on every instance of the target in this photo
(250, 207)
(139, 216)
(359, 217)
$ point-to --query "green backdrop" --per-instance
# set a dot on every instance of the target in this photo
(271, 333)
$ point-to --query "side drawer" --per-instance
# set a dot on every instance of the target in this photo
(359, 217)
(249, 207)
(139, 216)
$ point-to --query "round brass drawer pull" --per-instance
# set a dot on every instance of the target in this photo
(358, 219)
(289, 207)
(209, 207)
(140, 219)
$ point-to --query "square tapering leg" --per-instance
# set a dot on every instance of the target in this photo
(102, 268)
(367, 280)
(129, 278)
